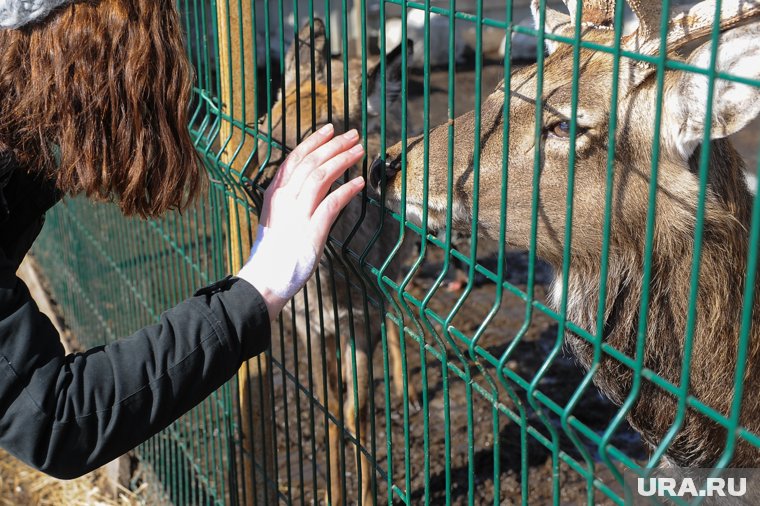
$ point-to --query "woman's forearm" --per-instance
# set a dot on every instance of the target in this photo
(67, 415)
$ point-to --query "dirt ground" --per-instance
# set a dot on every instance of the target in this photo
(475, 454)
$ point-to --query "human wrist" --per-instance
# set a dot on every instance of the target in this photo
(273, 302)
(280, 263)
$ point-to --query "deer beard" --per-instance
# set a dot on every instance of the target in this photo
(433, 217)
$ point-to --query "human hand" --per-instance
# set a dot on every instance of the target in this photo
(297, 214)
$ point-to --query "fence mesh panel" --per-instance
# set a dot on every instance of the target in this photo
(466, 394)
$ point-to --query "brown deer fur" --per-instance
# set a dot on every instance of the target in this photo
(700, 441)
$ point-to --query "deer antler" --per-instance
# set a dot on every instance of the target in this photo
(649, 14)
(555, 20)
(691, 24)
(597, 13)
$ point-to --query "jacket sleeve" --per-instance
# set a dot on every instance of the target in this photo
(67, 415)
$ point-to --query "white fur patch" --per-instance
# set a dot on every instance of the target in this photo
(734, 104)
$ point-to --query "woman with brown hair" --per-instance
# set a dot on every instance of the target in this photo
(93, 100)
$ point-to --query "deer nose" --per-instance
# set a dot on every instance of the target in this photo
(390, 167)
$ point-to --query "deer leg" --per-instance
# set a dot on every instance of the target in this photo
(358, 415)
(329, 395)
(334, 432)
(397, 368)
(335, 496)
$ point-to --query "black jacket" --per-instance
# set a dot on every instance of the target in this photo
(67, 415)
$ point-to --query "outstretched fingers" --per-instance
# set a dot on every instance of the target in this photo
(317, 159)
(319, 181)
(327, 212)
(293, 163)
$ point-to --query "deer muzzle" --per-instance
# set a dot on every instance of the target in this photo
(388, 167)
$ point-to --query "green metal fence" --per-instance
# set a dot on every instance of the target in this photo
(492, 408)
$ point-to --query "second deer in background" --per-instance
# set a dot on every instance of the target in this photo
(342, 309)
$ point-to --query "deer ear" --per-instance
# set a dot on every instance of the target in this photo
(393, 62)
(555, 22)
(734, 104)
(303, 45)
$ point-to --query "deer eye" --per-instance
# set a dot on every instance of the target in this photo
(561, 129)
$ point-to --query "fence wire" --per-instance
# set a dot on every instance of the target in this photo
(418, 366)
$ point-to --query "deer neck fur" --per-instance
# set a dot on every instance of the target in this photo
(717, 319)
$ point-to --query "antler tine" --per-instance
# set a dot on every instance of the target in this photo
(698, 21)
(597, 13)
(693, 24)
(650, 17)
(555, 20)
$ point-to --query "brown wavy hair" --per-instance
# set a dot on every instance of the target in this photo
(97, 97)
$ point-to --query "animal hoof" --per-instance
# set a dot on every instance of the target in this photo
(415, 404)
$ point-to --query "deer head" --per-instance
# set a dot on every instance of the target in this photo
(682, 131)
(307, 104)
(683, 127)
